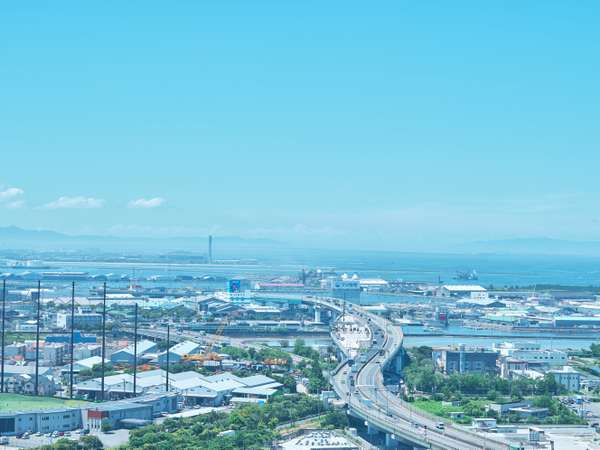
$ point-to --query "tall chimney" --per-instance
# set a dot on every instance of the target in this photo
(210, 256)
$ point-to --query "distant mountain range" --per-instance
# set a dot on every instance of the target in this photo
(534, 246)
(234, 247)
(15, 238)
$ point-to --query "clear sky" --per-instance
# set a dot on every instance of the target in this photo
(379, 125)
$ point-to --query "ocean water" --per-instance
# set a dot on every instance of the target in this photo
(493, 270)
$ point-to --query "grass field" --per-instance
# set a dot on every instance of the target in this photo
(15, 402)
(433, 407)
(438, 409)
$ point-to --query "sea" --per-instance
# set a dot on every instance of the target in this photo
(493, 270)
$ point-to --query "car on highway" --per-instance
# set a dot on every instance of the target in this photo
(440, 426)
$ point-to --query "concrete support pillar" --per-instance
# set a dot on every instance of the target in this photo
(371, 430)
(389, 441)
(317, 314)
(398, 364)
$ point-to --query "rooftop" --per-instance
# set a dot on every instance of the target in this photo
(464, 287)
(321, 440)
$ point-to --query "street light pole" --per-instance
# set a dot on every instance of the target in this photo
(135, 339)
(168, 356)
(72, 339)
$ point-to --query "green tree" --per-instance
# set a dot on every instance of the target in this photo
(106, 426)
(335, 419)
(90, 443)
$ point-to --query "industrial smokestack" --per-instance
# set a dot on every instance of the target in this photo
(210, 254)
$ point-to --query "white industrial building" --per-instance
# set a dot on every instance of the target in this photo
(178, 351)
(463, 290)
(196, 389)
(532, 354)
(568, 377)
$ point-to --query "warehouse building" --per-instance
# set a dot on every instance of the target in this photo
(130, 413)
(463, 290)
(178, 351)
(44, 421)
(577, 321)
(196, 389)
(82, 320)
(126, 355)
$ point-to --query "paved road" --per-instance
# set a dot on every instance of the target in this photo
(197, 336)
(373, 401)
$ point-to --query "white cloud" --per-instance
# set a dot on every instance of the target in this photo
(79, 202)
(147, 202)
(10, 194)
(16, 204)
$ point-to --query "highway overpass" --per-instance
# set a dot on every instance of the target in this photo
(361, 384)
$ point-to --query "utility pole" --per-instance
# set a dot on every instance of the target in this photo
(135, 339)
(168, 356)
(103, 340)
(37, 339)
(72, 338)
(3, 330)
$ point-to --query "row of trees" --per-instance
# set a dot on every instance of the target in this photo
(257, 356)
(253, 426)
(420, 375)
(85, 443)
(312, 368)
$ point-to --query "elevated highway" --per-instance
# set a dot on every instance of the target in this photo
(360, 383)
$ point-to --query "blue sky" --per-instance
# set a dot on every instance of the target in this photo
(397, 125)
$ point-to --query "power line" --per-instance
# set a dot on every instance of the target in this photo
(37, 339)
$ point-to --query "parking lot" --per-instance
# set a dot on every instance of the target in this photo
(109, 440)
